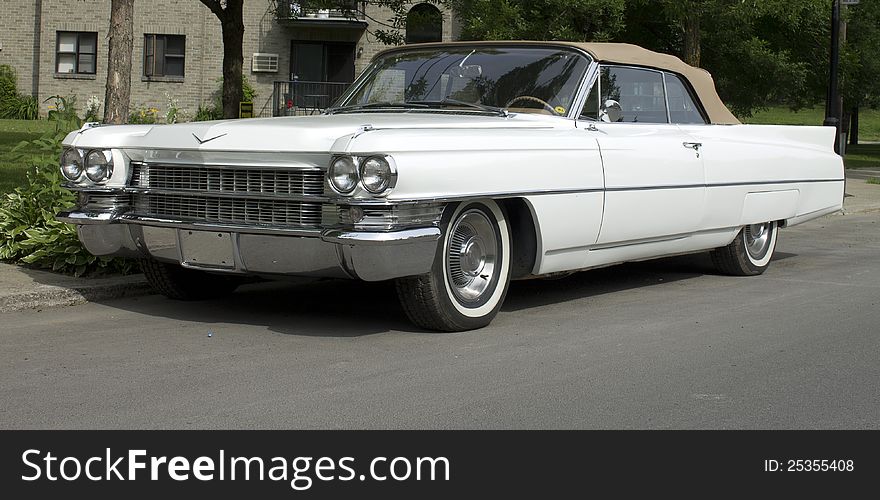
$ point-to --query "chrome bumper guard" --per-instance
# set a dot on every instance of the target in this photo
(333, 253)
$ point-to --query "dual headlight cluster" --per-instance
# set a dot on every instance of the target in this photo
(95, 164)
(376, 174)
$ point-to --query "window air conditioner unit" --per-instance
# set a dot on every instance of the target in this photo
(264, 63)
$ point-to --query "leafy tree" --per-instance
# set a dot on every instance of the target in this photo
(761, 52)
(574, 20)
(860, 78)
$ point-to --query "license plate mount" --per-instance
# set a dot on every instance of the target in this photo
(209, 249)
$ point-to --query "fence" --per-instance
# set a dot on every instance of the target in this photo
(299, 9)
(305, 98)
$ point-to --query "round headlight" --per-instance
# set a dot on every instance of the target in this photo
(343, 175)
(376, 174)
(71, 164)
(99, 165)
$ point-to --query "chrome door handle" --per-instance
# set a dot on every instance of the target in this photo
(693, 145)
(592, 127)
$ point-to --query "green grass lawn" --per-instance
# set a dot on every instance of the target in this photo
(12, 132)
(869, 120)
(863, 156)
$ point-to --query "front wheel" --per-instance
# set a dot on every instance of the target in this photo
(750, 252)
(470, 275)
(176, 282)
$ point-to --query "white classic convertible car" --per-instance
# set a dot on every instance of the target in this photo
(454, 168)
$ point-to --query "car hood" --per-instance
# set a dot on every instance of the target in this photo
(318, 133)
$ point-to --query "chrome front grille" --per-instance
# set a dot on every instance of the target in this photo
(228, 180)
(259, 196)
(226, 195)
(229, 210)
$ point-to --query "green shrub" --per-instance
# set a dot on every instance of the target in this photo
(207, 113)
(7, 82)
(143, 115)
(12, 104)
(63, 113)
(214, 111)
(29, 232)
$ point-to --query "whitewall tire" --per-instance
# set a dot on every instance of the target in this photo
(749, 254)
(470, 275)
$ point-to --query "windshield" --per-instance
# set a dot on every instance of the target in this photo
(523, 79)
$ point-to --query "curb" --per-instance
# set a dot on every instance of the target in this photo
(53, 296)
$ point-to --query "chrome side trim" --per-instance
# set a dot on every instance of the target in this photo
(430, 234)
(80, 217)
(719, 184)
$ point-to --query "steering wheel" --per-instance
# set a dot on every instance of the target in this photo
(534, 99)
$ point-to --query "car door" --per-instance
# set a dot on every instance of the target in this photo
(654, 176)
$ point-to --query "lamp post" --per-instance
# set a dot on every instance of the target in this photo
(832, 111)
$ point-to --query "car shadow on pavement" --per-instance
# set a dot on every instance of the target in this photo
(342, 308)
(319, 308)
(540, 292)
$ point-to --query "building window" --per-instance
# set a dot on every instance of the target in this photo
(76, 53)
(424, 23)
(164, 55)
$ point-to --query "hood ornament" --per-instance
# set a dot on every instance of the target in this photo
(201, 141)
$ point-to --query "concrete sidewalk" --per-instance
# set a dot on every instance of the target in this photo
(860, 197)
(23, 288)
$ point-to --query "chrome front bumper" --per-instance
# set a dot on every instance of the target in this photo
(369, 256)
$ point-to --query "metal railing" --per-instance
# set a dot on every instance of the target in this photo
(297, 98)
(310, 9)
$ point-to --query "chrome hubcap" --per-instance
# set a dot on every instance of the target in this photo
(757, 239)
(472, 253)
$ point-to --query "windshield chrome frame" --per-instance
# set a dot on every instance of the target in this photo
(571, 114)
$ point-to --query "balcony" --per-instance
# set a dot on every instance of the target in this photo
(349, 14)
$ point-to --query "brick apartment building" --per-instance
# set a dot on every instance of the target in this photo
(60, 47)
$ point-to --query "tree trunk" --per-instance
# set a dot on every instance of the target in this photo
(118, 95)
(854, 127)
(692, 38)
(233, 37)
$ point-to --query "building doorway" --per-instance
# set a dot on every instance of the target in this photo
(322, 61)
(320, 72)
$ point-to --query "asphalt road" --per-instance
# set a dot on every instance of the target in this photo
(664, 344)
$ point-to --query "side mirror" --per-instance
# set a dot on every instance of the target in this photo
(611, 112)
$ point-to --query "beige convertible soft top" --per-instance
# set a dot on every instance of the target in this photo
(701, 80)
(624, 53)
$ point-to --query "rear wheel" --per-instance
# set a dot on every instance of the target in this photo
(176, 282)
(470, 275)
(750, 252)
